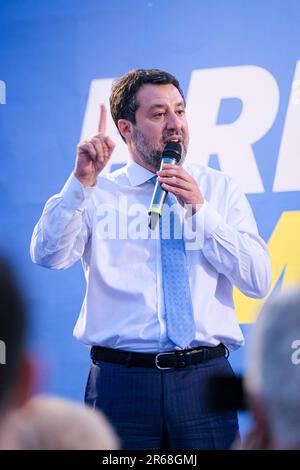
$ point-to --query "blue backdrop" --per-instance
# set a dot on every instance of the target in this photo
(55, 56)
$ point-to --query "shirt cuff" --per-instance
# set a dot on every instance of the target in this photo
(75, 195)
(208, 218)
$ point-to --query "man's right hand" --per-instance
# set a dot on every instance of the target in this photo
(93, 155)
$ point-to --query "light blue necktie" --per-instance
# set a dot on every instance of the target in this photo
(177, 297)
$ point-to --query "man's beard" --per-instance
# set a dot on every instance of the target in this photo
(149, 154)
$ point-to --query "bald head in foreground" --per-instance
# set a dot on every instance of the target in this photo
(273, 375)
(50, 423)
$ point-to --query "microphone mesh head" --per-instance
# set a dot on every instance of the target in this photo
(172, 150)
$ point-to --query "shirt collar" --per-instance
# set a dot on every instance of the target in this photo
(137, 174)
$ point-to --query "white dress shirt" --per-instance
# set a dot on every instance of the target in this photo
(123, 306)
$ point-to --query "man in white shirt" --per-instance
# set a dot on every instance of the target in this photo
(154, 399)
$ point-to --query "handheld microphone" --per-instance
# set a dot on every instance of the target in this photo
(171, 154)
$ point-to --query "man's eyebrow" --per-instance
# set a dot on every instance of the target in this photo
(161, 105)
(154, 106)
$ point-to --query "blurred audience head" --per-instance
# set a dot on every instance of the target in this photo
(16, 370)
(49, 423)
(272, 378)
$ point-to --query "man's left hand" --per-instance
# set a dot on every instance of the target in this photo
(176, 180)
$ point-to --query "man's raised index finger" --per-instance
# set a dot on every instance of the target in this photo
(102, 119)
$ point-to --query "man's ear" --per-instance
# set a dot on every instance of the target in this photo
(125, 128)
(25, 382)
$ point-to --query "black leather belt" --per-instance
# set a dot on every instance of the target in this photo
(163, 360)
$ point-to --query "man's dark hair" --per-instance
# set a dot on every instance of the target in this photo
(123, 102)
(12, 330)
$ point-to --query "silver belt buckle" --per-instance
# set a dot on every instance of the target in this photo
(156, 361)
